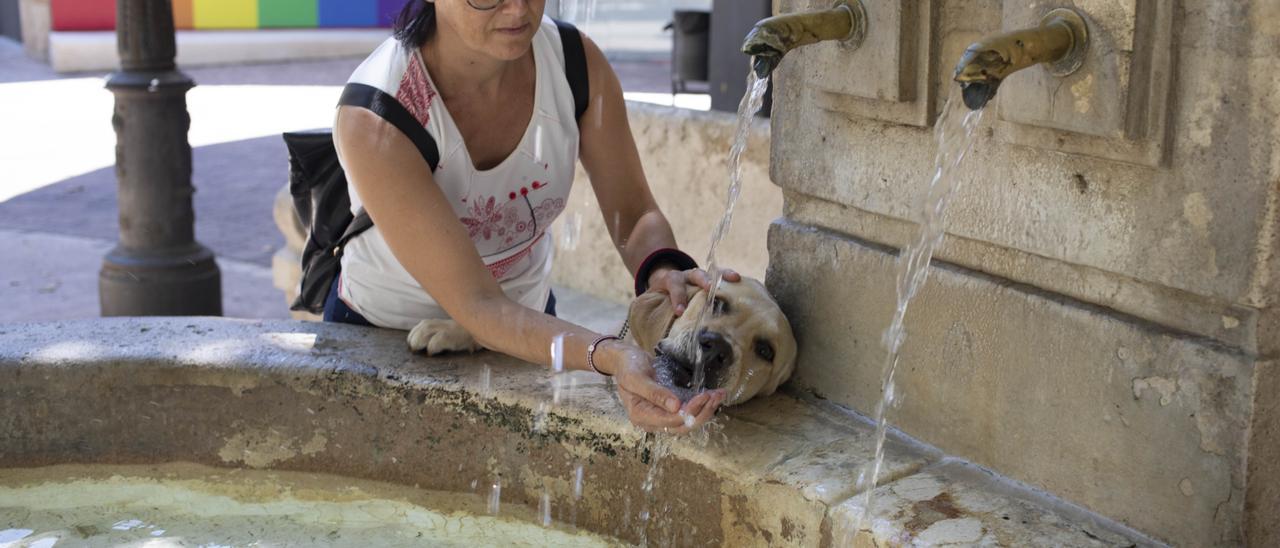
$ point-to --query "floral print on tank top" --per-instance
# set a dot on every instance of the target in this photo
(497, 225)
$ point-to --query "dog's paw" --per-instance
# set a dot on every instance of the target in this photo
(438, 336)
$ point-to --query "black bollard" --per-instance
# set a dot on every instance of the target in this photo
(158, 268)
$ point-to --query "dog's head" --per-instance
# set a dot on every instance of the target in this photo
(745, 346)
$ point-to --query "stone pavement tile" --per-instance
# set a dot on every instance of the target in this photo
(15, 66)
(596, 314)
(235, 184)
(54, 277)
(958, 504)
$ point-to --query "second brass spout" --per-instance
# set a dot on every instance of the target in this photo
(772, 38)
(1059, 41)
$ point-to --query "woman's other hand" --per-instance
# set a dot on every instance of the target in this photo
(675, 283)
(649, 405)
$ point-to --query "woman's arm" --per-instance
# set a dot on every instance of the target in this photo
(426, 237)
(608, 152)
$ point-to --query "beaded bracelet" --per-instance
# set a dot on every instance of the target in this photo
(591, 351)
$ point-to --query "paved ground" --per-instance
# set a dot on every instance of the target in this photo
(58, 186)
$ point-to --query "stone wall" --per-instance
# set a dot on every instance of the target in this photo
(1101, 318)
(685, 155)
(34, 17)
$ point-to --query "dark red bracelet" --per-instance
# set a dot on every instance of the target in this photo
(665, 256)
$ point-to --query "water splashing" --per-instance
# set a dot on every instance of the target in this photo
(747, 109)
(557, 353)
(537, 144)
(688, 418)
(540, 418)
(577, 482)
(544, 507)
(954, 135)
(495, 497)
(570, 231)
(557, 367)
(622, 240)
(751, 103)
(711, 431)
(581, 12)
(660, 448)
(577, 495)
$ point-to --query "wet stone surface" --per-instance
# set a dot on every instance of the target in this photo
(957, 504)
(350, 401)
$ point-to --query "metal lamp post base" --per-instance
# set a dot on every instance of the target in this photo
(181, 283)
(158, 269)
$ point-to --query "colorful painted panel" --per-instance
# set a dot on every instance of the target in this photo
(287, 13)
(184, 14)
(72, 15)
(345, 13)
(83, 14)
(226, 14)
(388, 10)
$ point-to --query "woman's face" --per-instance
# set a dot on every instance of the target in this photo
(504, 32)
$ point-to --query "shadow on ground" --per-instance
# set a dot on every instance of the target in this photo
(235, 185)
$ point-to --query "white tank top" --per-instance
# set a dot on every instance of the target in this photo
(507, 210)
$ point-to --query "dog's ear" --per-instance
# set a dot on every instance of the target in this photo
(786, 361)
(778, 376)
(649, 317)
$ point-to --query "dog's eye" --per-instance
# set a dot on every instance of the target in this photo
(764, 350)
(720, 306)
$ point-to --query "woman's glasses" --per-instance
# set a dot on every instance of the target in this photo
(484, 5)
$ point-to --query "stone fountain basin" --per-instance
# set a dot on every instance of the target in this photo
(352, 401)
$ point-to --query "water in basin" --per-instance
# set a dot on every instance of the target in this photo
(192, 505)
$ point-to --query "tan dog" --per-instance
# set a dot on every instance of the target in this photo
(746, 346)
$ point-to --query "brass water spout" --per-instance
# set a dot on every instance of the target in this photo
(772, 38)
(1059, 42)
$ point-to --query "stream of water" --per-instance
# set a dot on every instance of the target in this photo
(953, 133)
(747, 109)
(661, 443)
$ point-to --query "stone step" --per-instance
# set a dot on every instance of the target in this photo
(956, 503)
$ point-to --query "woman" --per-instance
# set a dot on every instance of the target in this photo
(471, 233)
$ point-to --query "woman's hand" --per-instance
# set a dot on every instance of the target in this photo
(674, 283)
(650, 406)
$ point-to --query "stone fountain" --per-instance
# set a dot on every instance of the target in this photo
(1101, 320)
(1092, 361)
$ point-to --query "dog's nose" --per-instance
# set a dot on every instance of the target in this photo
(716, 351)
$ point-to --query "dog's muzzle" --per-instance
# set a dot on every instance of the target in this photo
(677, 371)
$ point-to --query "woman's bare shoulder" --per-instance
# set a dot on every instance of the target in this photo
(359, 129)
(600, 75)
(354, 121)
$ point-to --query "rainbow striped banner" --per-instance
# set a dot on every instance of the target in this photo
(69, 15)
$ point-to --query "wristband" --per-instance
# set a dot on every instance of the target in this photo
(591, 352)
(666, 255)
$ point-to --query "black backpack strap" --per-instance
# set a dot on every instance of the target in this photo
(387, 107)
(360, 223)
(575, 67)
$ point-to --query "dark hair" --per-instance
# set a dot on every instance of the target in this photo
(416, 23)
